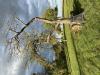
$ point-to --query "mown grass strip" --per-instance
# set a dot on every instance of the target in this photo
(70, 51)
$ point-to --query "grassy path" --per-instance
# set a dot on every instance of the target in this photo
(70, 53)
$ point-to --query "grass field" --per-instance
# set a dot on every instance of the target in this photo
(87, 42)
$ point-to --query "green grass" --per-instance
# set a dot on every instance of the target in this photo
(88, 42)
(70, 52)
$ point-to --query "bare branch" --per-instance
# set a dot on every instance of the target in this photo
(26, 25)
(20, 20)
(13, 30)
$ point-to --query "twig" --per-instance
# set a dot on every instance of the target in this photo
(26, 25)
(13, 30)
(20, 20)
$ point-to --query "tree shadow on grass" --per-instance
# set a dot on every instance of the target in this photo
(78, 12)
(77, 9)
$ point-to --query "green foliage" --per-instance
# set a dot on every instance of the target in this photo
(60, 67)
(50, 14)
(53, 40)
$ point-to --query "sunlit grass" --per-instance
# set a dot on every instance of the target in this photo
(70, 52)
(88, 42)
